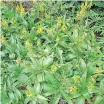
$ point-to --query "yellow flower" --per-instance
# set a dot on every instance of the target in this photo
(4, 23)
(40, 30)
(24, 30)
(59, 22)
(57, 38)
(42, 5)
(99, 70)
(28, 93)
(64, 27)
(76, 78)
(18, 60)
(12, 21)
(73, 89)
(81, 14)
(91, 86)
(95, 76)
(28, 44)
(23, 33)
(46, 15)
(3, 40)
(53, 68)
(89, 5)
(20, 9)
(93, 80)
(84, 7)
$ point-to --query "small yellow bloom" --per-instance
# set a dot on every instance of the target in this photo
(91, 86)
(57, 38)
(3, 40)
(64, 27)
(76, 78)
(40, 30)
(4, 23)
(28, 44)
(23, 33)
(12, 21)
(20, 9)
(89, 5)
(53, 68)
(93, 80)
(59, 22)
(46, 15)
(28, 93)
(73, 89)
(42, 5)
(84, 7)
(95, 76)
(99, 70)
(18, 60)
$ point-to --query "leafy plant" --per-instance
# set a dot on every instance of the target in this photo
(52, 52)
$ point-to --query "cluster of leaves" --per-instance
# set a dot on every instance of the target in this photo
(51, 52)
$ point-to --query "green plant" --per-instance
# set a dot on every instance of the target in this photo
(52, 55)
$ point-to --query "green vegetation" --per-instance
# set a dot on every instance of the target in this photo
(52, 51)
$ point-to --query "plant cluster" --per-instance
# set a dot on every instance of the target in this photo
(53, 51)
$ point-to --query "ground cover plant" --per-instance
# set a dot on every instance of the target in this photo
(52, 52)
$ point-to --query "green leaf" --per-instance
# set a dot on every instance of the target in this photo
(23, 78)
(83, 78)
(70, 56)
(41, 97)
(65, 96)
(40, 77)
(56, 98)
(50, 77)
(63, 44)
(102, 85)
(82, 63)
(48, 61)
(91, 70)
(11, 95)
(75, 33)
(80, 100)
(18, 93)
(37, 88)
(98, 100)
(26, 100)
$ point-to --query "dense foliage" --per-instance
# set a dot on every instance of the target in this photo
(53, 52)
